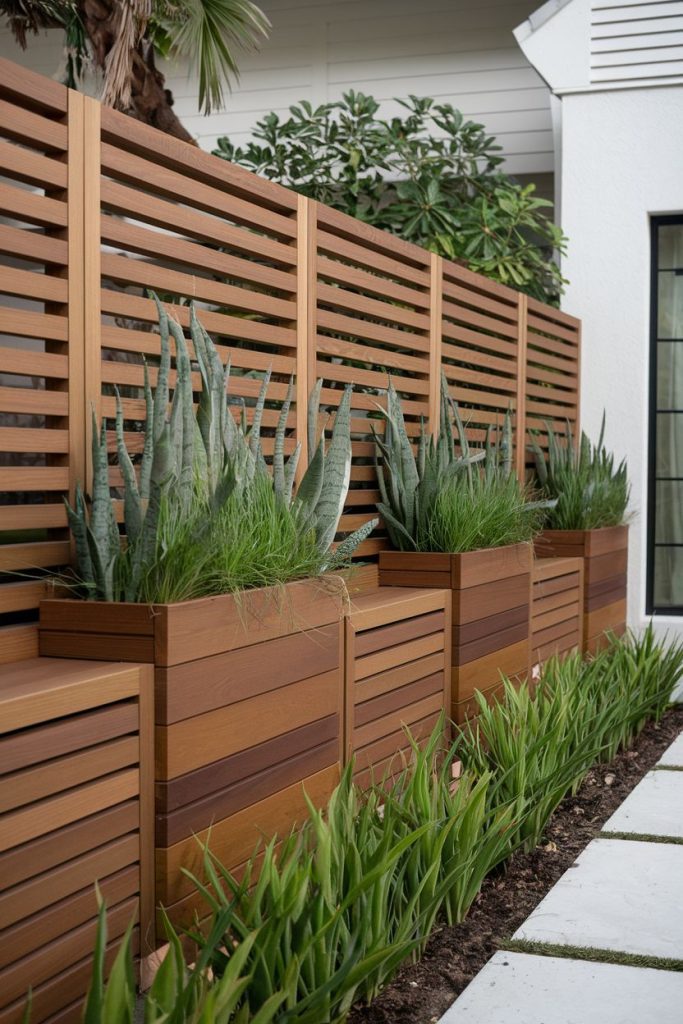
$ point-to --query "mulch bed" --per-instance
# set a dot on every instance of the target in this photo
(422, 992)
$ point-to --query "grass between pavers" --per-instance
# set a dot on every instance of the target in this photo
(667, 768)
(603, 956)
(643, 837)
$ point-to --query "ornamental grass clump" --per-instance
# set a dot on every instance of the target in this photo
(539, 746)
(340, 905)
(444, 496)
(203, 513)
(588, 488)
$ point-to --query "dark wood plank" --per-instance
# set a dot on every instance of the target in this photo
(481, 628)
(195, 817)
(219, 775)
(101, 647)
(464, 653)
(99, 617)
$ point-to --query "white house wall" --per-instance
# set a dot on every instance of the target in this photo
(622, 162)
(458, 51)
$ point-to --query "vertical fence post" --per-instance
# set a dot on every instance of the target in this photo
(435, 318)
(76, 253)
(305, 319)
(520, 412)
(92, 280)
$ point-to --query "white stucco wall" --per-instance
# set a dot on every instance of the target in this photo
(622, 162)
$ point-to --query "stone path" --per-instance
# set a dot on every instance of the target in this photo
(623, 898)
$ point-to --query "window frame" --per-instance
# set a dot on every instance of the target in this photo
(651, 608)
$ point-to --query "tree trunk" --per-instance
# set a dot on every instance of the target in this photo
(150, 101)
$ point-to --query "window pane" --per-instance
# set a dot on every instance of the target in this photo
(669, 512)
(668, 577)
(670, 248)
(670, 305)
(669, 445)
(670, 374)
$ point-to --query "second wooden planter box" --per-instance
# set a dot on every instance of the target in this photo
(248, 706)
(490, 592)
(605, 560)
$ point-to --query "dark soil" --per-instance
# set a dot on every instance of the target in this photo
(422, 992)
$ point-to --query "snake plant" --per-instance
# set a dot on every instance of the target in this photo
(589, 489)
(201, 458)
(445, 496)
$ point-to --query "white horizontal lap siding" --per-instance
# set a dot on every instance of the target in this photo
(636, 42)
(457, 51)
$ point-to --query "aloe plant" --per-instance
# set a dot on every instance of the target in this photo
(444, 496)
(194, 462)
(589, 488)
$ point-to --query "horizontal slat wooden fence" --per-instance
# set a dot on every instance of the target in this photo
(96, 208)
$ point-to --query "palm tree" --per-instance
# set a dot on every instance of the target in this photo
(123, 38)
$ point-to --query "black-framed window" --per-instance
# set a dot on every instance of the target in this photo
(665, 499)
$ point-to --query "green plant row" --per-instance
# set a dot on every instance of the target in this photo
(202, 512)
(335, 909)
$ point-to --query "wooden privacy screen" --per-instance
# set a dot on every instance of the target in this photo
(76, 775)
(97, 208)
(397, 666)
(41, 339)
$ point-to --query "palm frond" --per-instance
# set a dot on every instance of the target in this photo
(206, 33)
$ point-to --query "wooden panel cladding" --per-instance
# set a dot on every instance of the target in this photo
(481, 355)
(397, 671)
(490, 608)
(552, 370)
(248, 701)
(41, 420)
(556, 608)
(604, 554)
(76, 808)
(371, 307)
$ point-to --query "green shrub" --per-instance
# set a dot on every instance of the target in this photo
(430, 176)
(538, 747)
(444, 496)
(588, 489)
(203, 514)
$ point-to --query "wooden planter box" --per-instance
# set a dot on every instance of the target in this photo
(605, 556)
(490, 598)
(556, 608)
(398, 663)
(76, 808)
(248, 706)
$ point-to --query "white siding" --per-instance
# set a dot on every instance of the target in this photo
(636, 43)
(458, 51)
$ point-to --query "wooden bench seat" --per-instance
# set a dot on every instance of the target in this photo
(76, 807)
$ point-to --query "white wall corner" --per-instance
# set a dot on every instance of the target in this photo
(556, 40)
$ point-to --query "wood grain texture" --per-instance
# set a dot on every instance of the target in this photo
(234, 839)
(485, 672)
(226, 678)
(193, 742)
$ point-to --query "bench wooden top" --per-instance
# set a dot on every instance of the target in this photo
(40, 689)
